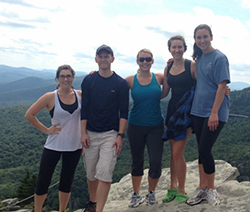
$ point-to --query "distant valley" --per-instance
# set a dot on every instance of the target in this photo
(23, 86)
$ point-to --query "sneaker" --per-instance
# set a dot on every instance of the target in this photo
(150, 198)
(213, 197)
(90, 207)
(198, 196)
(136, 200)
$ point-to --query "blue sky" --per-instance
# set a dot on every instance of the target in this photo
(45, 34)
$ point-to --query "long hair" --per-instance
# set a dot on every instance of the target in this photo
(197, 52)
(145, 51)
(63, 67)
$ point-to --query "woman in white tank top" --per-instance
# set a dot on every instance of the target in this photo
(63, 136)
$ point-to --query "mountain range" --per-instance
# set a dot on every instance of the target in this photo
(22, 86)
(22, 144)
(13, 74)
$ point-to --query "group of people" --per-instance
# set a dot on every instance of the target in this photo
(93, 122)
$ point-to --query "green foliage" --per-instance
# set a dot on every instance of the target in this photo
(26, 188)
(22, 146)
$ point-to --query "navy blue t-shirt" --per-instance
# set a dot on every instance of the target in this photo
(104, 101)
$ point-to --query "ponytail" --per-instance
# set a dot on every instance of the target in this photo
(197, 52)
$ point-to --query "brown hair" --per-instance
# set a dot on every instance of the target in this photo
(197, 52)
(177, 37)
(64, 67)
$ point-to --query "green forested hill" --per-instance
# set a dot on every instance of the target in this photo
(26, 91)
(21, 147)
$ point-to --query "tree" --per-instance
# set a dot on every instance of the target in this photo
(26, 188)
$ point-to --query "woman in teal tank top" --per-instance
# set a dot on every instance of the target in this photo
(145, 126)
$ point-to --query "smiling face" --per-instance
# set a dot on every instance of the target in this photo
(145, 66)
(177, 49)
(65, 78)
(203, 40)
(104, 60)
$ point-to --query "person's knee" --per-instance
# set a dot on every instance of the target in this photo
(104, 175)
(204, 153)
(136, 171)
(41, 189)
(177, 155)
(137, 168)
(155, 171)
(65, 186)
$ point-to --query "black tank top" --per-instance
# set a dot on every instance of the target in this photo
(182, 82)
(179, 85)
(70, 108)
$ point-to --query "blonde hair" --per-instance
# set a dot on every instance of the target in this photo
(145, 51)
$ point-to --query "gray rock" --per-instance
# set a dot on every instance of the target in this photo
(8, 202)
(234, 195)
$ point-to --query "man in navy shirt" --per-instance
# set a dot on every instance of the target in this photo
(104, 113)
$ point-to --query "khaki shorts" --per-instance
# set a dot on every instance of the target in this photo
(100, 158)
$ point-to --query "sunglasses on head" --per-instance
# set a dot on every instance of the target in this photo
(148, 59)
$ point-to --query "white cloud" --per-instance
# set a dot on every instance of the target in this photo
(245, 3)
(45, 34)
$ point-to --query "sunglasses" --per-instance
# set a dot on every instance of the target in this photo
(148, 59)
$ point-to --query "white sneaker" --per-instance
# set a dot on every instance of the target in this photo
(198, 196)
(150, 198)
(136, 200)
(213, 197)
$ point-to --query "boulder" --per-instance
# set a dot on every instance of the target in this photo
(234, 195)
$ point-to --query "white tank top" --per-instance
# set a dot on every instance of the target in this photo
(69, 138)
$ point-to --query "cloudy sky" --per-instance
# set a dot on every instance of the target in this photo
(43, 34)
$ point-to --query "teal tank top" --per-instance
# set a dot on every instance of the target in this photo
(146, 109)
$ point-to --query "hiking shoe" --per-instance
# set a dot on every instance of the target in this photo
(136, 200)
(90, 207)
(213, 197)
(150, 198)
(198, 196)
(170, 195)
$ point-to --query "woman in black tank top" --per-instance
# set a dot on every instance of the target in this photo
(180, 77)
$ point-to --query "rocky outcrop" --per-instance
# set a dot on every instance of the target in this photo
(235, 196)
(10, 204)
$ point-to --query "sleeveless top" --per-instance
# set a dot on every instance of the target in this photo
(70, 108)
(69, 138)
(179, 85)
(146, 109)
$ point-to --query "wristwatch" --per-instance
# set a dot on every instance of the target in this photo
(121, 134)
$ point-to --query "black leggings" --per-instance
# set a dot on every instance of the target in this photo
(206, 139)
(138, 137)
(48, 163)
